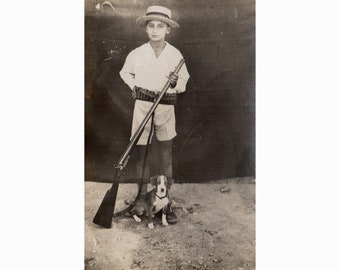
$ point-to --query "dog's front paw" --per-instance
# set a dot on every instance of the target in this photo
(164, 221)
(151, 226)
(136, 218)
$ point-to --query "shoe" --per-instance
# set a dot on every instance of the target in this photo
(171, 217)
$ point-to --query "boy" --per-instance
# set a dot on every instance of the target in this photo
(146, 70)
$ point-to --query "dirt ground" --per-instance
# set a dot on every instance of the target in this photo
(216, 230)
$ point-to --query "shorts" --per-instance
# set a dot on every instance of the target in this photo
(164, 121)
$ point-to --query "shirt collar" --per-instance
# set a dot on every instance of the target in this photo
(165, 48)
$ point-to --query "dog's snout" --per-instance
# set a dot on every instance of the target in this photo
(162, 189)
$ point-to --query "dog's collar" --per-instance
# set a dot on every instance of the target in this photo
(166, 195)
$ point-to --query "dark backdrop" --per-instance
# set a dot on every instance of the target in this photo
(216, 115)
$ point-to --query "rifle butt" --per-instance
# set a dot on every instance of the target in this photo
(105, 211)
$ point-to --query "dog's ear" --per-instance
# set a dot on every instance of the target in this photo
(170, 182)
(153, 180)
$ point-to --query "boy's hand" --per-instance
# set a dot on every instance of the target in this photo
(173, 78)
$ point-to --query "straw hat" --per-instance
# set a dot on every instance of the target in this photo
(157, 13)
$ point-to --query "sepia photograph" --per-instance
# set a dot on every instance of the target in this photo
(169, 134)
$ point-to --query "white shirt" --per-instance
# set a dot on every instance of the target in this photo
(143, 69)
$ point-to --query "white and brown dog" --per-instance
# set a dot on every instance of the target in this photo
(153, 201)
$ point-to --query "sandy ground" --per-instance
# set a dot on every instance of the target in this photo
(216, 230)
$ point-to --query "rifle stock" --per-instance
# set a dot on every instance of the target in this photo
(105, 211)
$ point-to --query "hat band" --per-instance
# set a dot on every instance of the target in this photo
(158, 13)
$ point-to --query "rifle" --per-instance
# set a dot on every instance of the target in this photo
(105, 211)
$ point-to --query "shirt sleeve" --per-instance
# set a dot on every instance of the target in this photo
(127, 73)
(183, 77)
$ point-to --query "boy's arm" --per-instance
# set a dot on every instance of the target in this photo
(127, 73)
(183, 77)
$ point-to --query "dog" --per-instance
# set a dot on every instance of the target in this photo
(153, 201)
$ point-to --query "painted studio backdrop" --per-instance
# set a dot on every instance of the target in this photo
(215, 117)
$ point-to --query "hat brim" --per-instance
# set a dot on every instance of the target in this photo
(141, 21)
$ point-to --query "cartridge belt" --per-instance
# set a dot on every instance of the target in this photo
(147, 95)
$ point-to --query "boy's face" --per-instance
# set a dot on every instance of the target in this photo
(157, 30)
